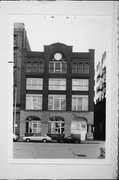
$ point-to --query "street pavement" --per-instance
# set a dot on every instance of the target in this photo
(37, 150)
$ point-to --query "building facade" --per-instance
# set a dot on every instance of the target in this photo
(57, 92)
(100, 99)
(21, 44)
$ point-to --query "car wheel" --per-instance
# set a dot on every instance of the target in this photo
(27, 140)
(61, 141)
(76, 141)
(44, 140)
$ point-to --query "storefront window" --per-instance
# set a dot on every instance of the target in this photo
(33, 124)
(56, 125)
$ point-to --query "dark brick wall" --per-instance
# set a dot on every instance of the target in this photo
(69, 56)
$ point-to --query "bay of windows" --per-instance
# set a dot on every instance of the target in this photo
(57, 67)
(79, 103)
(57, 84)
(34, 83)
(80, 84)
(33, 102)
(57, 102)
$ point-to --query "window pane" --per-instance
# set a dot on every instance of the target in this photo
(86, 68)
(34, 67)
(57, 84)
(79, 103)
(34, 83)
(51, 67)
(74, 67)
(74, 103)
(80, 84)
(57, 67)
(64, 67)
(40, 67)
(50, 103)
(80, 68)
(34, 102)
(28, 67)
(58, 102)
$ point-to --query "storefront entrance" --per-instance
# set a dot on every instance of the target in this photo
(33, 125)
(79, 128)
(56, 127)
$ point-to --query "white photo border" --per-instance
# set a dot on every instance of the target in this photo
(109, 164)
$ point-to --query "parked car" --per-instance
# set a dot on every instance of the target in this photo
(15, 137)
(69, 139)
(38, 137)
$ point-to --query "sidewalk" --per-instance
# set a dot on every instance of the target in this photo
(92, 142)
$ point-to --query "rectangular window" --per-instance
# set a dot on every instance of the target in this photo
(80, 84)
(34, 127)
(57, 84)
(33, 102)
(34, 83)
(57, 67)
(57, 102)
(79, 103)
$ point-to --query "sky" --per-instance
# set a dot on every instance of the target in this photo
(81, 32)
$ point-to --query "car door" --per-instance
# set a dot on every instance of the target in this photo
(39, 138)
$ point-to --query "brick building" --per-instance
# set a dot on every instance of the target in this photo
(21, 44)
(57, 92)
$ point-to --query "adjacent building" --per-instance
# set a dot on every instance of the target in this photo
(100, 99)
(21, 44)
(56, 92)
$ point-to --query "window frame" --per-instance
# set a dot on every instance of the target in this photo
(54, 86)
(81, 87)
(83, 107)
(54, 100)
(31, 102)
(60, 65)
(31, 86)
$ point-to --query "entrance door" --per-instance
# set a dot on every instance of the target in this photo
(79, 129)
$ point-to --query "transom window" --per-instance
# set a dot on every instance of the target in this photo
(57, 67)
(33, 102)
(57, 84)
(79, 103)
(57, 102)
(34, 83)
(80, 84)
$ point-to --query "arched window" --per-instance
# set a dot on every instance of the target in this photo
(86, 68)
(28, 67)
(80, 68)
(56, 125)
(35, 67)
(40, 67)
(33, 124)
(74, 67)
